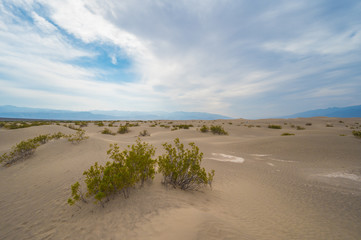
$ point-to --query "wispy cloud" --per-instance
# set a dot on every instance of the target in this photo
(238, 58)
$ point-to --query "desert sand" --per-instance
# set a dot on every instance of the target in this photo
(266, 186)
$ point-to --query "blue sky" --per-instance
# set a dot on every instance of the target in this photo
(250, 59)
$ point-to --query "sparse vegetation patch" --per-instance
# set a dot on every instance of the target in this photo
(107, 131)
(129, 167)
(181, 168)
(275, 126)
(218, 130)
(356, 133)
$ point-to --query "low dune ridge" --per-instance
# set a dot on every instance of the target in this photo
(266, 186)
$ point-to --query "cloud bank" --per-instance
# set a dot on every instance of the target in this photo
(237, 58)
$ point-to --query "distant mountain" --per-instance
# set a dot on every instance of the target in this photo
(9, 111)
(344, 112)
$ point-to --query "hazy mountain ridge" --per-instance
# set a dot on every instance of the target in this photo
(9, 111)
(343, 112)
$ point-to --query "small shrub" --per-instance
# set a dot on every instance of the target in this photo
(218, 130)
(300, 128)
(340, 121)
(77, 137)
(26, 148)
(184, 126)
(123, 129)
(356, 133)
(100, 124)
(287, 134)
(204, 129)
(342, 135)
(107, 131)
(275, 126)
(128, 167)
(144, 133)
(181, 167)
(308, 124)
(76, 194)
(329, 125)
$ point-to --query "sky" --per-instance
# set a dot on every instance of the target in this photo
(242, 59)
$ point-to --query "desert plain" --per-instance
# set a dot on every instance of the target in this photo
(266, 186)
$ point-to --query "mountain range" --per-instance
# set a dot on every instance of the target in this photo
(9, 111)
(342, 112)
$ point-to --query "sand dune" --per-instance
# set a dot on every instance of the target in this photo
(267, 186)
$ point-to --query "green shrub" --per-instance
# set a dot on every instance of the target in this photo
(275, 126)
(76, 194)
(356, 133)
(218, 130)
(107, 131)
(100, 124)
(20, 151)
(123, 129)
(181, 167)
(329, 125)
(184, 126)
(144, 133)
(128, 168)
(300, 128)
(287, 134)
(204, 129)
(77, 137)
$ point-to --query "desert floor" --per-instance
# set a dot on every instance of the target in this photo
(266, 186)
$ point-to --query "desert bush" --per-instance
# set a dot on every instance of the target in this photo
(99, 124)
(132, 124)
(123, 129)
(26, 148)
(287, 134)
(218, 130)
(275, 126)
(356, 133)
(57, 136)
(204, 129)
(308, 124)
(128, 168)
(77, 137)
(184, 126)
(300, 128)
(20, 151)
(181, 167)
(144, 133)
(107, 131)
(329, 125)
(76, 194)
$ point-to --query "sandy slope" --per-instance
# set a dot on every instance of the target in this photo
(267, 186)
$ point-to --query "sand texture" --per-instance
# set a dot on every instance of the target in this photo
(266, 186)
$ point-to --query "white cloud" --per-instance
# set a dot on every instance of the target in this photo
(186, 55)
